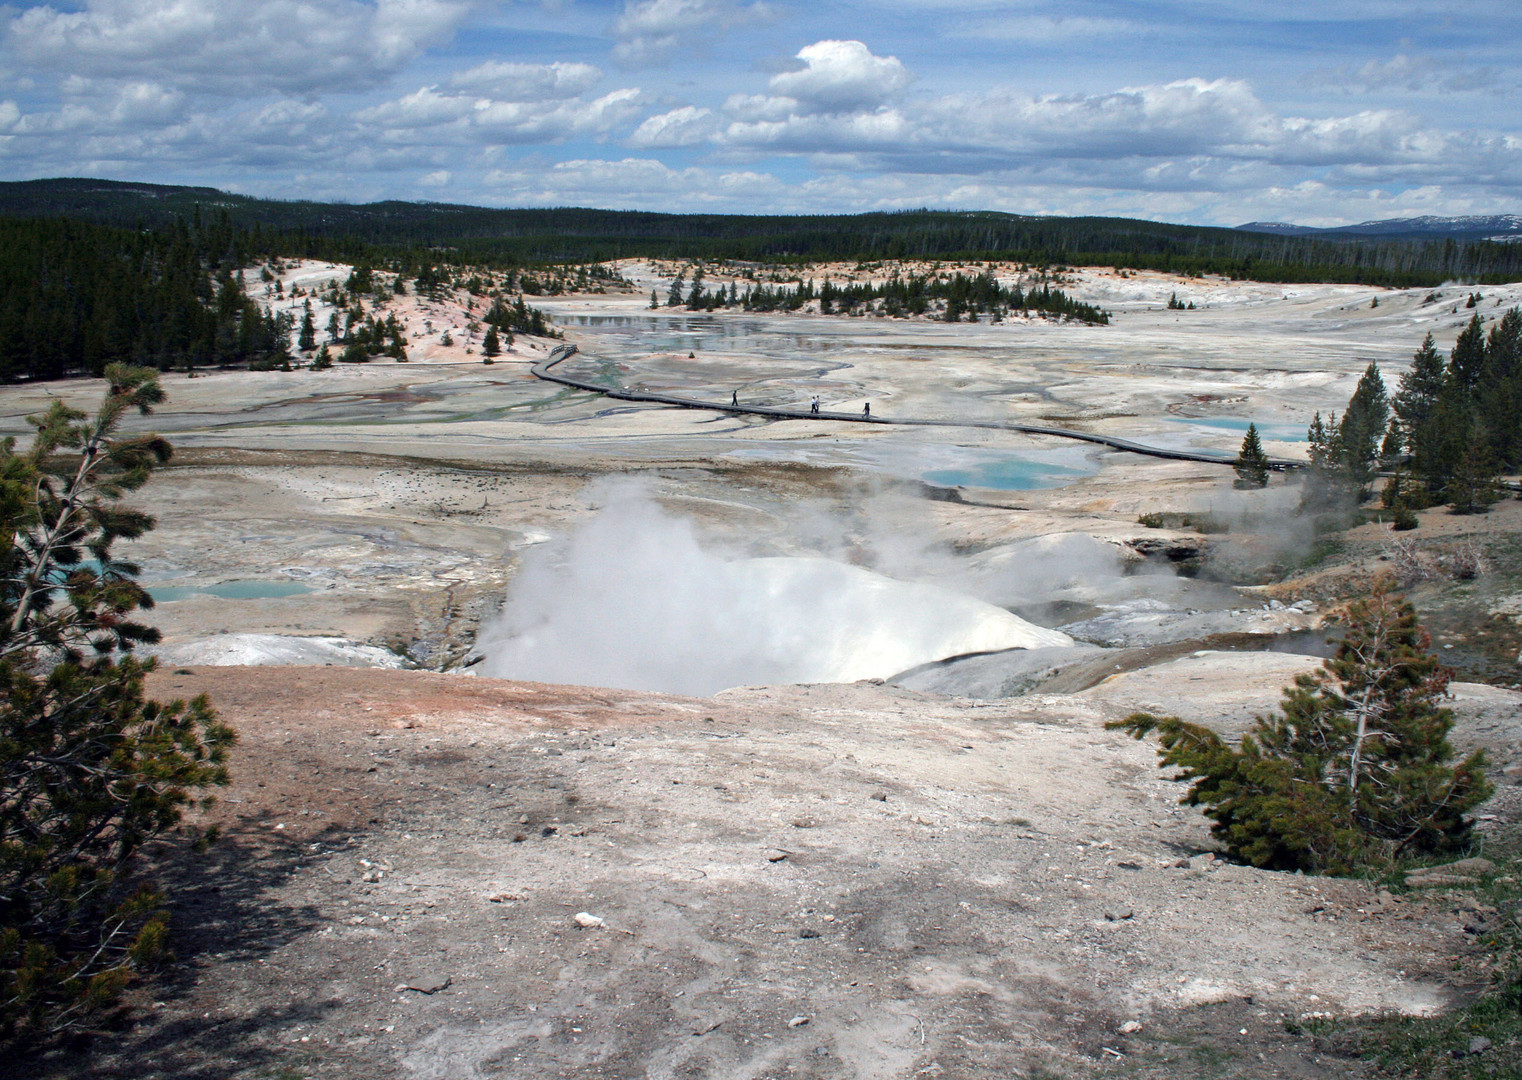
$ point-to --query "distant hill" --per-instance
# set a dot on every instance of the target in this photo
(1417, 256)
(1498, 227)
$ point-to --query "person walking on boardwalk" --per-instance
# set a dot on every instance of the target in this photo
(734, 398)
(866, 410)
(814, 405)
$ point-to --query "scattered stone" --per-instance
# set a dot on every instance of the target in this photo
(1130, 1027)
(1475, 866)
(1429, 878)
(1479, 1044)
(798, 1021)
(776, 856)
(429, 984)
(504, 897)
(1119, 914)
(587, 921)
(808, 932)
(805, 823)
(879, 796)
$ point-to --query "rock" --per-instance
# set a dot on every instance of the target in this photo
(776, 856)
(586, 920)
(1475, 866)
(1427, 878)
(1118, 914)
(879, 796)
(808, 932)
(429, 984)
(1479, 1044)
(1130, 1027)
(798, 1021)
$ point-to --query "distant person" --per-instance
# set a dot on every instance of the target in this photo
(866, 410)
(734, 399)
(814, 406)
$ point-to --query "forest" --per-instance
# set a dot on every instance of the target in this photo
(953, 297)
(1445, 437)
(98, 272)
(512, 237)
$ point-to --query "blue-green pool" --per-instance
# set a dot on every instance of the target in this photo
(1004, 474)
(229, 590)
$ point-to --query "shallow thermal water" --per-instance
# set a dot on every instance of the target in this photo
(229, 590)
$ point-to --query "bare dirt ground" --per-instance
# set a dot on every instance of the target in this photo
(826, 881)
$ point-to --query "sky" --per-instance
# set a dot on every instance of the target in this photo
(1319, 112)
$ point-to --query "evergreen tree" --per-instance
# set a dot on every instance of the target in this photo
(492, 345)
(90, 770)
(1363, 425)
(324, 359)
(1252, 462)
(1353, 773)
(1472, 487)
(1498, 398)
(1467, 359)
(306, 339)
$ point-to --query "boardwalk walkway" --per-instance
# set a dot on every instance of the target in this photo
(565, 352)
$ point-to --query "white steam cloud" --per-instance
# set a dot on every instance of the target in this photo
(633, 600)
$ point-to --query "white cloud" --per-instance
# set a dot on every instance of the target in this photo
(429, 116)
(687, 126)
(654, 31)
(1413, 74)
(634, 183)
(235, 46)
(841, 76)
(528, 82)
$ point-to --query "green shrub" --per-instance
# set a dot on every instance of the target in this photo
(1353, 773)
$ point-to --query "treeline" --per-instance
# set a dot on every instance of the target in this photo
(75, 297)
(1446, 436)
(950, 297)
(495, 237)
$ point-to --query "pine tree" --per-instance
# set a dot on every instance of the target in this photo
(1473, 487)
(492, 345)
(90, 769)
(1467, 359)
(1252, 462)
(1353, 773)
(306, 339)
(1499, 395)
(1363, 425)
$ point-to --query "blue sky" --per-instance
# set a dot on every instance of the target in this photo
(1181, 110)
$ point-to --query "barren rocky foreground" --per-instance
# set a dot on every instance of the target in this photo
(425, 876)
